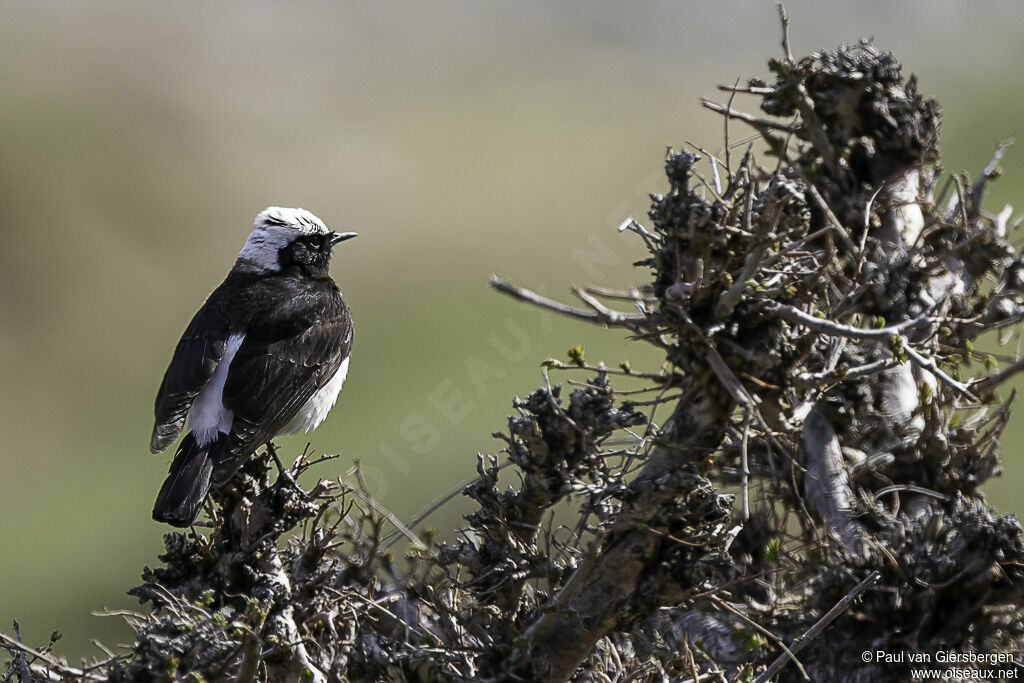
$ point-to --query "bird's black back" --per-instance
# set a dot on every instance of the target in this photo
(298, 331)
(298, 337)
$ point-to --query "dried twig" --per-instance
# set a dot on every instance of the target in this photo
(606, 317)
(761, 125)
(819, 626)
(784, 18)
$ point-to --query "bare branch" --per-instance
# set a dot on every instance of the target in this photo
(819, 626)
(609, 318)
(784, 18)
(761, 125)
(829, 327)
(990, 172)
(997, 378)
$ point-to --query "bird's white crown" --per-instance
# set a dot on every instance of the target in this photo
(273, 229)
(298, 220)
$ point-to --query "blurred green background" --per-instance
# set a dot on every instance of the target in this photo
(138, 140)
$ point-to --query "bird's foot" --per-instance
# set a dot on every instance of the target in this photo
(284, 474)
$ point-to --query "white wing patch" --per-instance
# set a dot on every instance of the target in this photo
(208, 416)
(319, 404)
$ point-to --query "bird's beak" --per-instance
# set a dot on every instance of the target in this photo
(341, 237)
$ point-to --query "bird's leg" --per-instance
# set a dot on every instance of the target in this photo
(283, 473)
(211, 511)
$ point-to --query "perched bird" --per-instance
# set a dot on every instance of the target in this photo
(265, 355)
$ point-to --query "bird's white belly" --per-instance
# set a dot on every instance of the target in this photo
(208, 416)
(316, 408)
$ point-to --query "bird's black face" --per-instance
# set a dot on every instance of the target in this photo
(309, 253)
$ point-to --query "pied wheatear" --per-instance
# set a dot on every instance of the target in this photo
(265, 355)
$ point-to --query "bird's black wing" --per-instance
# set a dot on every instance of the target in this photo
(195, 359)
(285, 358)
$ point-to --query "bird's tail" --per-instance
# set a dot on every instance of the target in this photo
(187, 484)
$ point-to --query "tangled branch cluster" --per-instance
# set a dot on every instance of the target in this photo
(820, 314)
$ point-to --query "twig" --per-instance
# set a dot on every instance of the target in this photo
(815, 129)
(391, 538)
(756, 626)
(745, 465)
(759, 124)
(729, 298)
(990, 172)
(813, 632)
(249, 659)
(633, 295)
(933, 367)
(862, 254)
(390, 516)
(895, 488)
(18, 646)
(716, 178)
(830, 327)
(555, 408)
(747, 89)
(598, 307)
(106, 650)
(23, 670)
(555, 364)
(817, 379)
(728, 379)
(625, 319)
(961, 202)
(725, 123)
(882, 334)
(633, 225)
(998, 378)
(784, 18)
(836, 226)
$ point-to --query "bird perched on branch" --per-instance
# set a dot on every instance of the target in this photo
(265, 355)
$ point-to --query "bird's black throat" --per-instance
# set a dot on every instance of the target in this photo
(310, 254)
